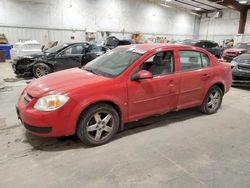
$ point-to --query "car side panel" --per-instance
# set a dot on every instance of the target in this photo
(152, 96)
(195, 83)
(115, 93)
(192, 88)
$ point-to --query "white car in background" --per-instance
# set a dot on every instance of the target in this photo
(21, 49)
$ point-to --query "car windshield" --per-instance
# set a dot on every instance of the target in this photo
(242, 46)
(114, 62)
(56, 48)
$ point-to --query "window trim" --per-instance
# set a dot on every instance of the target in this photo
(209, 65)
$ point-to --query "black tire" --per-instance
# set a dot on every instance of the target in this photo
(211, 105)
(41, 69)
(92, 128)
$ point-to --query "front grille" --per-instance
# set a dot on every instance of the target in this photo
(245, 68)
(27, 98)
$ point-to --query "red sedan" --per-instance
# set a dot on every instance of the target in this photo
(124, 85)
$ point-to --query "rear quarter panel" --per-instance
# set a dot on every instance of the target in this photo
(222, 74)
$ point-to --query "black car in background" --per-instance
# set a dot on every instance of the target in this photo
(241, 68)
(58, 58)
(208, 45)
(112, 42)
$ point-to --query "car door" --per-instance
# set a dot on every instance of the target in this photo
(157, 95)
(196, 73)
(70, 57)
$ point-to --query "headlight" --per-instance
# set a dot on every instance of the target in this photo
(233, 64)
(51, 102)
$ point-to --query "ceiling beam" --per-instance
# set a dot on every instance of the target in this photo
(229, 3)
(243, 19)
(235, 5)
(185, 3)
(205, 4)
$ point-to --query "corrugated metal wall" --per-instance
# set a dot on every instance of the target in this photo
(42, 35)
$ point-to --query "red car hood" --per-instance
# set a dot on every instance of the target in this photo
(234, 50)
(63, 81)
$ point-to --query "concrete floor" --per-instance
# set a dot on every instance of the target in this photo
(180, 149)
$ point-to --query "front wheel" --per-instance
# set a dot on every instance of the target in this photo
(212, 101)
(98, 124)
(41, 69)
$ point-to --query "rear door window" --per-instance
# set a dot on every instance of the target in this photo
(192, 60)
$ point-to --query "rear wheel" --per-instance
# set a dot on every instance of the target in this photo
(98, 124)
(212, 101)
(41, 69)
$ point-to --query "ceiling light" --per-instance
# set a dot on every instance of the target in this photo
(166, 5)
(243, 2)
(168, 0)
(197, 8)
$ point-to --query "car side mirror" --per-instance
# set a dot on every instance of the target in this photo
(141, 75)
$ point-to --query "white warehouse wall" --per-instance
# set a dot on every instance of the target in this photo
(46, 20)
(218, 29)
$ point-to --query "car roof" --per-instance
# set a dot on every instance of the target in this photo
(72, 43)
(148, 47)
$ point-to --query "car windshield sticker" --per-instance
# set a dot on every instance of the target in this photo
(136, 50)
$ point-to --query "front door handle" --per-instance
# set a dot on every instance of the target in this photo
(171, 83)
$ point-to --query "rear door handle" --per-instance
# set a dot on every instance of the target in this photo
(206, 76)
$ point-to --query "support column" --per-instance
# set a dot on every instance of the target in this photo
(243, 19)
(196, 32)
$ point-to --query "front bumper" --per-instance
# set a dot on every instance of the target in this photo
(39, 130)
(60, 122)
(19, 67)
(241, 82)
(14, 66)
(245, 74)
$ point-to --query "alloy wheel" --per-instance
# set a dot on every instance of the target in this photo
(213, 100)
(41, 71)
(100, 126)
